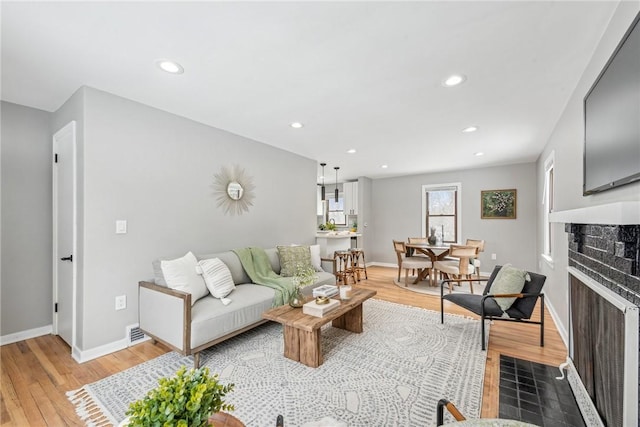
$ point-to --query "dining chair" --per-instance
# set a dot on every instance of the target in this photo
(476, 261)
(460, 267)
(416, 240)
(409, 263)
(411, 251)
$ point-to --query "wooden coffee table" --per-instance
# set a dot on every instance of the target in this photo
(302, 332)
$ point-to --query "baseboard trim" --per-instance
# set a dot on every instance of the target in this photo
(25, 335)
(556, 319)
(82, 356)
(382, 264)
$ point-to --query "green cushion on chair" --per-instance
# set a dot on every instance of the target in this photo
(509, 280)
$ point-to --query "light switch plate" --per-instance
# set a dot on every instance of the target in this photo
(121, 226)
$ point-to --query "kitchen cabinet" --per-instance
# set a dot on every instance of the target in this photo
(350, 192)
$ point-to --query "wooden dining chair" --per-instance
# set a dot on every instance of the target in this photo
(461, 267)
(476, 261)
(412, 252)
(417, 240)
(409, 263)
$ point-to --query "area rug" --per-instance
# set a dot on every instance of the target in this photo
(392, 374)
(424, 287)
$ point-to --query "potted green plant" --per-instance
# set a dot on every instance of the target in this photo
(187, 399)
(330, 226)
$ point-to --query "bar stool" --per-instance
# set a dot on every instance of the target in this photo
(357, 255)
(344, 268)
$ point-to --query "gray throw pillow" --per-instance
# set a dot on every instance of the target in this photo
(509, 280)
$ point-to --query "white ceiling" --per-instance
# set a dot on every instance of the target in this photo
(363, 75)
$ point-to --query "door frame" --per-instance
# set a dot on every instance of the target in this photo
(69, 128)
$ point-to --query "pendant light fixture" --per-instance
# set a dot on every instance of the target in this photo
(336, 191)
(323, 193)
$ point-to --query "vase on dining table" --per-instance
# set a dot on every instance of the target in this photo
(432, 239)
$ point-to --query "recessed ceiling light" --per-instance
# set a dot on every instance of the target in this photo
(384, 166)
(454, 80)
(351, 150)
(169, 66)
(470, 129)
(296, 125)
(478, 154)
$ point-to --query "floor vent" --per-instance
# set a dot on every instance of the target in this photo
(135, 335)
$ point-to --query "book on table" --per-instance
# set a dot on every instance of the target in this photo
(318, 310)
(325, 291)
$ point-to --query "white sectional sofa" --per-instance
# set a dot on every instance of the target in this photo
(168, 315)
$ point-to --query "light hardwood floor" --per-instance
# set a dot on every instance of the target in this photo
(36, 373)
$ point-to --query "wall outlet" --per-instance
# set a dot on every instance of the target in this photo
(121, 302)
(493, 257)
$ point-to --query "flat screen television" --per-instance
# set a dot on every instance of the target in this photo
(612, 119)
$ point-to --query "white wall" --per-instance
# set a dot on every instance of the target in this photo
(26, 170)
(566, 142)
(397, 213)
(146, 166)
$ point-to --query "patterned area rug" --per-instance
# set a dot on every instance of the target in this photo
(392, 374)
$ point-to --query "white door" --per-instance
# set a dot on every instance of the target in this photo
(64, 232)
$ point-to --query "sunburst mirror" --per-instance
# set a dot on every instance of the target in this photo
(233, 189)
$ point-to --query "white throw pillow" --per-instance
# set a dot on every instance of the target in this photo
(217, 276)
(181, 274)
(316, 262)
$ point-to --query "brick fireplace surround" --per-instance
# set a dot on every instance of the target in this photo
(607, 253)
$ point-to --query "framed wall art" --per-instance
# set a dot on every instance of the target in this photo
(498, 204)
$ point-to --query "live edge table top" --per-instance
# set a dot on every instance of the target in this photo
(294, 317)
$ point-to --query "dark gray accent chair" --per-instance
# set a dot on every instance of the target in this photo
(486, 307)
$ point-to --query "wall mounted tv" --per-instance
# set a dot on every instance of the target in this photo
(612, 119)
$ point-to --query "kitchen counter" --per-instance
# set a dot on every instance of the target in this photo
(339, 235)
(336, 241)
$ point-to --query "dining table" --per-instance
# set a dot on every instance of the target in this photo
(434, 252)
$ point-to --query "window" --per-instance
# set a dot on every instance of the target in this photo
(441, 210)
(336, 211)
(547, 207)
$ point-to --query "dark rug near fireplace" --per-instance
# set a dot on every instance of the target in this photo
(530, 392)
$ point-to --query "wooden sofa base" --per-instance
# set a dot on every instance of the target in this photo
(196, 351)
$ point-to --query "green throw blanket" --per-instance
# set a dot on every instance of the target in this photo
(257, 265)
